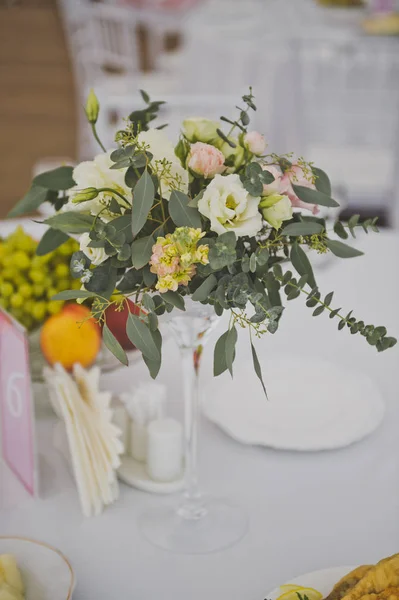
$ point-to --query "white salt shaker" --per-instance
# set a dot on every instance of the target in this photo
(164, 450)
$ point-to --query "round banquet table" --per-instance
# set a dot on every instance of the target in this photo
(307, 510)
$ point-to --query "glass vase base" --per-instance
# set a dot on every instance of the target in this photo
(221, 526)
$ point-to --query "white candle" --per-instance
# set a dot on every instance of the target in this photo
(138, 441)
(164, 450)
(121, 420)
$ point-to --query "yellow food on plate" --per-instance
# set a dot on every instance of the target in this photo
(307, 592)
(11, 585)
(289, 587)
(377, 581)
(348, 582)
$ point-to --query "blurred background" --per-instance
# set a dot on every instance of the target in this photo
(325, 74)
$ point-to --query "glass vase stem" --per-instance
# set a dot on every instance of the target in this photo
(192, 506)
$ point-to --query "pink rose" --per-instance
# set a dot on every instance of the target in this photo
(296, 176)
(255, 142)
(275, 187)
(205, 160)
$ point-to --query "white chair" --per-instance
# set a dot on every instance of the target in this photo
(345, 115)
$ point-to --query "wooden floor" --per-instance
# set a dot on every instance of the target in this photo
(37, 111)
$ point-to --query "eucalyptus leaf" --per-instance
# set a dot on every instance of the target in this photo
(219, 356)
(302, 228)
(203, 291)
(124, 224)
(30, 202)
(257, 367)
(73, 295)
(322, 182)
(142, 251)
(313, 196)
(340, 230)
(182, 214)
(113, 345)
(140, 335)
(71, 222)
(51, 240)
(56, 179)
(175, 299)
(301, 263)
(143, 197)
(230, 348)
(342, 250)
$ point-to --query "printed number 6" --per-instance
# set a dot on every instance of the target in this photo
(14, 396)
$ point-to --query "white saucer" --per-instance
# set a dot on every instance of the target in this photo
(313, 404)
(46, 573)
(134, 473)
(322, 581)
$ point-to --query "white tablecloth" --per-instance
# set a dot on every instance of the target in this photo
(307, 511)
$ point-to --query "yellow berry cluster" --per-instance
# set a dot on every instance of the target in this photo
(28, 282)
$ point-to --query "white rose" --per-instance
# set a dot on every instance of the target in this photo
(97, 174)
(96, 255)
(279, 211)
(174, 176)
(198, 129)
(229, 207)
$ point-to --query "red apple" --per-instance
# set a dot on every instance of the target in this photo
(116, 321)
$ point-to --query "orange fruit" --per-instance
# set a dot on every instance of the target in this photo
(70, 337)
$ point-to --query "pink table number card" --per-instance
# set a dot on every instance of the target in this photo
(16, 403)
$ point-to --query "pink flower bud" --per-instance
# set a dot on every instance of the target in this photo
(205, 160)
(255, 142)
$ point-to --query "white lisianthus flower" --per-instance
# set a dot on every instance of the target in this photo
(197, 129)
(96, 255)
(255, 142)
(98, 174)
(276, 209)
(165, 163)
(229, 207)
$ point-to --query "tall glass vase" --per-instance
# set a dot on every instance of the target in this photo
(197, 524)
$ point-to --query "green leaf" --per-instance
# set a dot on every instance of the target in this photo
(148, 277)
(73, 295)
(142, 251)
(143, 197)
(51, 240)
(318, 311)
(145, 96)
(30, 202)
(71, 222)
(252, 263)
(230, 348)
(103, 279)
(303, 228)
(301, 263)
(313, 196)
(57, 179)
(182, 214)
(340, 230)
(342, 250)
(328, 298)
(322, 182)
(262, 256)
(123, 225)
(175, 299)
(219, 356)
(155, 365)
(203, 291)
(257, 367)
(140, 335)
(113, 345)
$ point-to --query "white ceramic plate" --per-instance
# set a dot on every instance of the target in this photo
(323, 581)
(46, 573)
(313, 404)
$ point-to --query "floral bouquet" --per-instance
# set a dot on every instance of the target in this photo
(217, 218)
